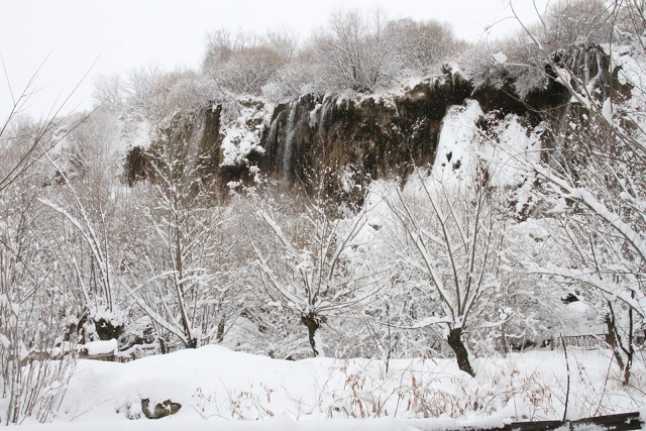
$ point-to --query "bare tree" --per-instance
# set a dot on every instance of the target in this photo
(33, 377)
(42, 139)
(597, 187)
(303, 268)
(110, 92)
(92, 220)
(354, 51)
(421, 45)
(34, 364)
(181, 281)
(577, 21)
(453, 241)
(244, 63)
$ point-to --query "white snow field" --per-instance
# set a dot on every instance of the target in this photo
(222, 389)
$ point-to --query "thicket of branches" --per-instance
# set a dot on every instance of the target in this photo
(354, 50)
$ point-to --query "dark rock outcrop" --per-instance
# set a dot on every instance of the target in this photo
(187, 145)
(163, 409)
(353, 139)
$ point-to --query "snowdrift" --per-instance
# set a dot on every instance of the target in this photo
(215, 385)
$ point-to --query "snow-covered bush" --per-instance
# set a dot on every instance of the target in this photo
(309, 277)
(157, 94)
(419, 47)
(35, 362)
(242, 63)
(179, 278)
(353, 52)
(454, 245)
(299, 76)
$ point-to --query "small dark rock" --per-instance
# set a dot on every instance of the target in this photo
(163, 409)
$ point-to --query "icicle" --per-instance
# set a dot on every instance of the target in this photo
(289, 139)
(328, 101)
(272, 137)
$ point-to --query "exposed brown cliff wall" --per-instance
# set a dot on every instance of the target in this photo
(353, 139)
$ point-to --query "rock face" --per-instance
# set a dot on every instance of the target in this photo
(191, 140)
(357, 139)
(354, 139)
(163, 409)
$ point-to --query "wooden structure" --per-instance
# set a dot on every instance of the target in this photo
(617, 422)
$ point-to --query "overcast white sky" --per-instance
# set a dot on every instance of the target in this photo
(116, 36)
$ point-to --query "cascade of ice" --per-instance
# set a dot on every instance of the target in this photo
(272, 136)
(289, 139)
(328, 102)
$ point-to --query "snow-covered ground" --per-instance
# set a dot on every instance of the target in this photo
(222, 389)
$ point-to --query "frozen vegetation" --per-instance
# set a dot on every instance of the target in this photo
(378, 227)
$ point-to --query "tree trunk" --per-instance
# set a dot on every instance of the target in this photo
(461, 354)
(312, 322)
(630, 349)
(192, 343)
(311, 332)
(611, 337)
(505, 346)
(628, 366)
(219, 337)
